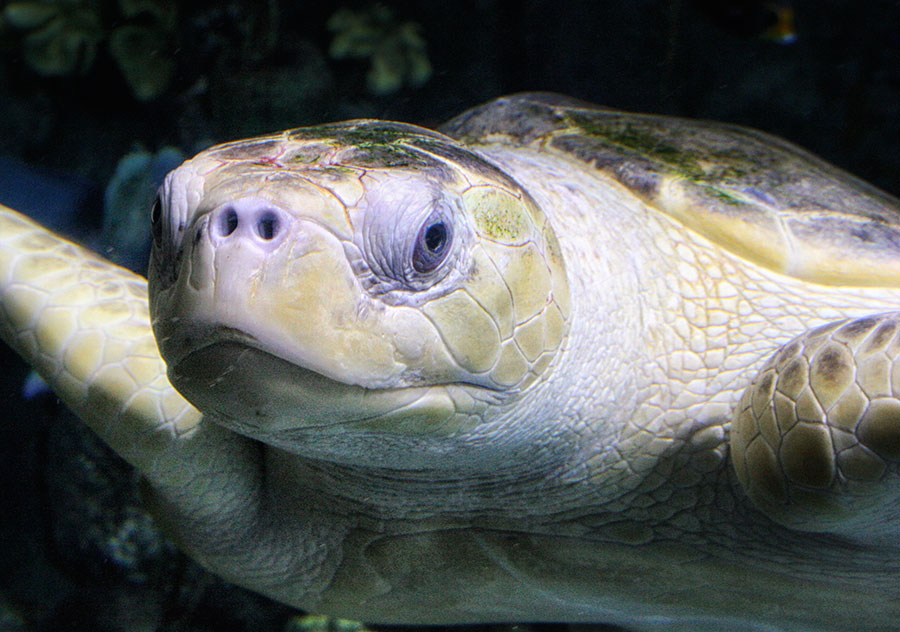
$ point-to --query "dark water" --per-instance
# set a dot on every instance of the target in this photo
(75, 550)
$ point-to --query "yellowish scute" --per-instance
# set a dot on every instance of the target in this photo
(114, 350)
(784, 408)
(530, 337)
(554, 327)
(499, 215)
(793, 376)
(29, 269)
(21, 303)
(542, 363)
(555, 263)
(767, 482)
(102, 315)
(807, 456)
(859, 464)
(468, 331)
(434, 414)
(849, 409)
(489, 289)
(295, 193)
(144, 405)
(110, 388)
(143, 370)
(808, 407)
(873, 374)
(84, 354)
(173, 404)
(879, 428)
(511, 367)
(54, 327)
(768, 426)
(526, 274)
(831, 372)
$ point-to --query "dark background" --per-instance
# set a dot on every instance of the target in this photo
(76, 551)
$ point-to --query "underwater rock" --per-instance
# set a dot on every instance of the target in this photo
(141, 49)
(127, 201)
(97, 524)
(321, 623)
(137, 51)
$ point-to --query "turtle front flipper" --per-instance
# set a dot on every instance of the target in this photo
(816, 436)
(83, 324)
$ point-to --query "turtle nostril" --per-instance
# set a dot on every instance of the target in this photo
(247, 219)
(267, 225)
(228, 222)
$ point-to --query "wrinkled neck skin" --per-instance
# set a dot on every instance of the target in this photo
(600, 383)
(667, 331)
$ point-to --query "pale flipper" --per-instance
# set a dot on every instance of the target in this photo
(816, 437)
(83, 324)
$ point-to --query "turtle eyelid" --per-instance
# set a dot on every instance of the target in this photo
(156, 217)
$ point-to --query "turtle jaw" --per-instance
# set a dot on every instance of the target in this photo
(281, 404)
(263, 395)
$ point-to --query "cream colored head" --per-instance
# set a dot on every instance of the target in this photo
(360, 275)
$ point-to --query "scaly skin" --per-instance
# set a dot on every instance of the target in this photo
(816, 439)
(83, 324)
(590, 480)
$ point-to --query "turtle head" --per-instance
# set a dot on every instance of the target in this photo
(359, 275)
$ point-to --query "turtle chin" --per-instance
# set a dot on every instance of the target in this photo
(260, 395)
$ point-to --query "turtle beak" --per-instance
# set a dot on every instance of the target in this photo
(257, 274)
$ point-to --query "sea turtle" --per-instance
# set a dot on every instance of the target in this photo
(552, 363)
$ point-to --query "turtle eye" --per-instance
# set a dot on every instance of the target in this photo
(432, 244)
(156, 220)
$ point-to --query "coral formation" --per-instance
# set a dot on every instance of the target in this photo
(127, 200)
(396, 50)
(63, 37)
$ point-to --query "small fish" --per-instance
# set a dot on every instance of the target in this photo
(766, 19)
(782, 29)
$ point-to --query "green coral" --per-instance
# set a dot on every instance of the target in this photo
(140, 46)
(397, 51)
(63, 38)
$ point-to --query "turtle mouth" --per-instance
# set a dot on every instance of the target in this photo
(260, 394)
(188, 347)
